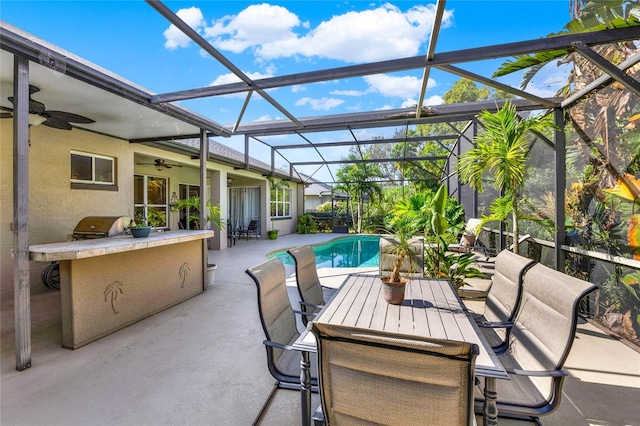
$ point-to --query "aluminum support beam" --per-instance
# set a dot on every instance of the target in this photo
(600, 81)
(416, 62)
(207, 47)
(21, 269)
(370, 160)
(204, 196)
(560, 185)
(495, 84)
(435, 29)
(606, 66)
(365, 142)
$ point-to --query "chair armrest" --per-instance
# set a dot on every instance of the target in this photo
(279, 345)
(537, 373)
(486, 324)
(306, 314)
(482, 296)
(311, 305)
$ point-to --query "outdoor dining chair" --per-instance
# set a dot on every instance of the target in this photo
(252, 229)
(374, 377)
(503, 298)
(312, 294)
(279, 325)
(539, 343)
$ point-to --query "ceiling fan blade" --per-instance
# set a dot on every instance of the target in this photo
(67, 116)
(4, 108)
(5, 115)
(57, 124)
(35, 107)
(166, 166)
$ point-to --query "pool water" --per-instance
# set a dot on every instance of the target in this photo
(349, 252)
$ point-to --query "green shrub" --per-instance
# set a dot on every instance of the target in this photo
(307, 224)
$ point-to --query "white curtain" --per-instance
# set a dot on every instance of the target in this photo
(244, 205)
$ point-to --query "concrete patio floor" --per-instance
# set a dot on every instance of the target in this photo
(202, 362)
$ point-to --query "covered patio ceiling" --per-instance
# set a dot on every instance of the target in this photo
(125, 110)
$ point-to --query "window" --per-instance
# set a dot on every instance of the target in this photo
(280, 203)
(150, 199)
(92, 169)
(187, 191)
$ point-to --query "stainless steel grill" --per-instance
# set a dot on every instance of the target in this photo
(92, 227)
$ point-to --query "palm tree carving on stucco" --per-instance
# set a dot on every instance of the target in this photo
(184, 273)
(111, 293)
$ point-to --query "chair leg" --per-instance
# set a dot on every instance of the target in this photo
(266, 404)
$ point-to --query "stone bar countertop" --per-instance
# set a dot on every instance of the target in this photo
(81, 249)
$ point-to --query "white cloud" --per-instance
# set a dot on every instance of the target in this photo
(176, 38)
(324, 104)
(298, 88)
(370, 35)
(357, 36)
(256, 26)
(433, 100)
(397, 87)
(349, 92)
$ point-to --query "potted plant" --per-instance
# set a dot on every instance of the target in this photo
(401, 255)
(139, 227)
(213, 216)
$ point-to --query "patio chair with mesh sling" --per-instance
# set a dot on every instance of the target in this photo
(374, 377)
(279, 325)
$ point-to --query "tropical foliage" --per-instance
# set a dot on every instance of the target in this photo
(360, 181)
(192, 204)
(501, 152)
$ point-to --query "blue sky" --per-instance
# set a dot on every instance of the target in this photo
(266, 39)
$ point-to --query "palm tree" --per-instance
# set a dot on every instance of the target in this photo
(501, 150)
(595, 116)
(359, 181)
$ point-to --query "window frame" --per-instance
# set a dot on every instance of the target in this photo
(145, 205)
(281, 202)
(93, 183)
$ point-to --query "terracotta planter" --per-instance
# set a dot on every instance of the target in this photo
(393, 291)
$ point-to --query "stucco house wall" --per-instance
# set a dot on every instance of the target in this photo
(55, 208)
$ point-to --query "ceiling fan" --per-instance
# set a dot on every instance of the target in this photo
(159, 164)
(50, 118)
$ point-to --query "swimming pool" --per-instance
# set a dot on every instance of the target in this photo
(349, 252)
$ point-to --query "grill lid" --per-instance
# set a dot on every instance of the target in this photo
(100, 226)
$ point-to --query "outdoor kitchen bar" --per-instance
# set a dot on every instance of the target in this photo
(107, 284)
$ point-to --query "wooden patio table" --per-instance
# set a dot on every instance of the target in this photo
(431, 308)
